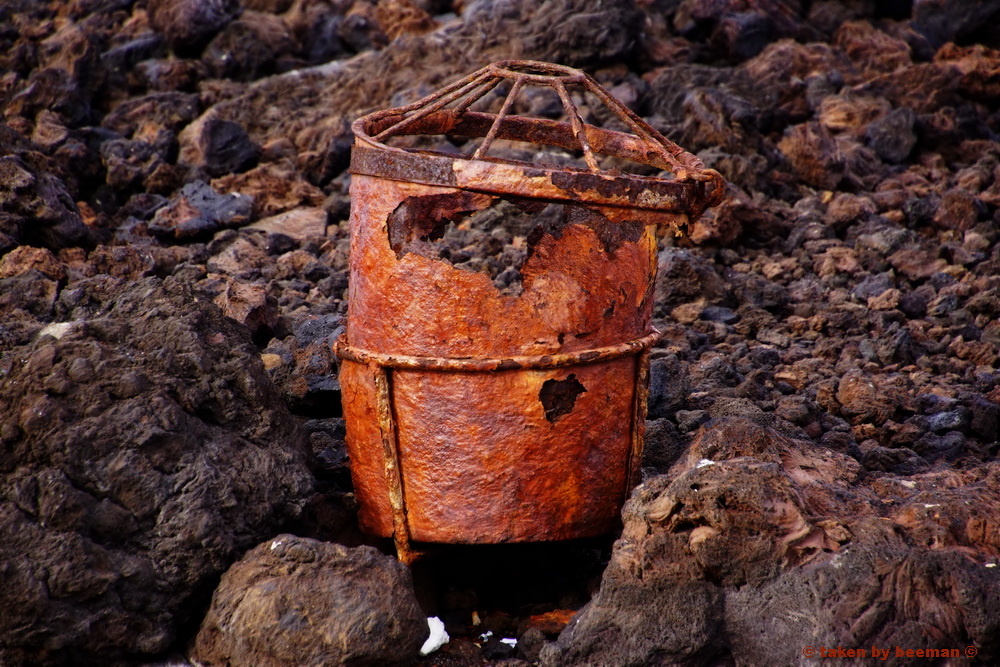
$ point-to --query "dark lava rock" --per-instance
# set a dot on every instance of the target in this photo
(985, 418)
(719, 314)
(143, 451)
(577, 32)
(156, 111)
(932, 447)
(813, 154)
(36, 208)
(684, 277)
(131, 164)
(945, 20)
(249, 47)
(297, 601)
(742, 35)
(897, 460)
(690, 420)
(872, 286)
(52, 89)
(757, 545)
(663, 445)
(187, 25)
(857, 246)
(892, 135)
(948, 420)
(226, 148)
(668, 387)
(198, 210)
(26, 294)
(670, 87)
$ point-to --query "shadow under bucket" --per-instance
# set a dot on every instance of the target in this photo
(480, 414)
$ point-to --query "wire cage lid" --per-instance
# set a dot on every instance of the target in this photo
(689, 189)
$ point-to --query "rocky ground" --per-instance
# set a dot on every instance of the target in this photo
(821, 463)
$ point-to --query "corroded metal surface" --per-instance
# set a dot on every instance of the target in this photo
(544, 361)
(477, 416)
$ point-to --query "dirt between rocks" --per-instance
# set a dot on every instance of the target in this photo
(821, 458)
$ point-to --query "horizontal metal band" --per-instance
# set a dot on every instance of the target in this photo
(523, 180)
(486, 365)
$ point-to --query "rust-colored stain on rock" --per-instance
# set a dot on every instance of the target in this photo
(475, 415)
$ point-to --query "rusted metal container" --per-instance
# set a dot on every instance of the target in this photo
(478, 416)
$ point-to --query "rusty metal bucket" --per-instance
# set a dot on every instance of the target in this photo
(479, 416)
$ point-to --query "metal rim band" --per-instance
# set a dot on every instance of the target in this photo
(485, 365)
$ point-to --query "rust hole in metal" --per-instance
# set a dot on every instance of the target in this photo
(559, 396)
(473, 233)
(612, 235)
(419, 221)
(493, 235)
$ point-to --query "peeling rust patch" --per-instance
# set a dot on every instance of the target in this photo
(612, 235)
(421, 219)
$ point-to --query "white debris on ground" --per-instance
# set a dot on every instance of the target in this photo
(57, 329)
(509, 641)
(438, 637)
(705, 462)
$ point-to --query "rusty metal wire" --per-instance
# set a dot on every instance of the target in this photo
(638, 426)
(393, 470)
(645, 145)
(491, 135)
(535, 362)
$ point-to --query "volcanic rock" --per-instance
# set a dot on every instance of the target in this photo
(36, 208)
(148, 114)
(144, 450)
(668, 386)
(221, 147)
(276, 187)
(571, 32)
(198, 210)
(25, 258)
(813, 154)
(892, 136)
(249, 47)
(51, 89)
(958, 210)
(187, 25)
(250, 305)
(298, 601)
(751, 524)
(684, 277)
(298, 223)
(943, 22)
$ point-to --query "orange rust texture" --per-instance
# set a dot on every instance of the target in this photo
(480, 461)
(423, 307)
(357, 382)
(482, 464)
